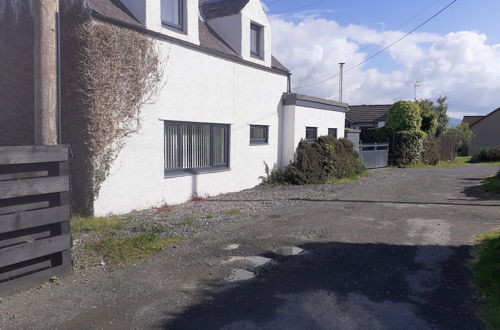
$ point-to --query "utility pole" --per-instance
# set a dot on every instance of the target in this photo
(341, 82)
(417, 85)
(46, 78)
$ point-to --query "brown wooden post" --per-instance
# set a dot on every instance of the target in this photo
(46, 91)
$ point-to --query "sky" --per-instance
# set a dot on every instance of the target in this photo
(457, 54)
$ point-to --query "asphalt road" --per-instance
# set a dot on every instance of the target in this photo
(389, 253)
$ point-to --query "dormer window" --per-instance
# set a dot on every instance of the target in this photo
(172, 13)
(255, 36)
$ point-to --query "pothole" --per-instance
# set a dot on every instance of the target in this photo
(232, 247)
(289, 251)
(250, 262)
(239, 274)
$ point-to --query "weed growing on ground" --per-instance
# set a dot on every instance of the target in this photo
(100, 225)
(233, 211)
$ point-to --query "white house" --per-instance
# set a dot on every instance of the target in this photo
(225, 109)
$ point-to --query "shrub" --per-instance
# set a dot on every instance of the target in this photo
(407, 148)
(486, 154)
(273, 177)
(375, 135)
(342, 159)
(404, 116)
(309, 166)
(430, 155)
(322, 161)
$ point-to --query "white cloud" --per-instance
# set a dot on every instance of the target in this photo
(461, 64)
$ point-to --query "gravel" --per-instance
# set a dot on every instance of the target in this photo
(200, 215)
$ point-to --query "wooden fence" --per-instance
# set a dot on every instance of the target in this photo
(35, 238)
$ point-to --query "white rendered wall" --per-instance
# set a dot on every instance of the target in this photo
(301, 117)
(199, 88)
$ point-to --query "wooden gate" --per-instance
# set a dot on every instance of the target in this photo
(35, 238)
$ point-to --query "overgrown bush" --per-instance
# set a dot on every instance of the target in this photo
(375, 135)
(309, 166)
(430, 155)
(407, 148)
(342, 159)
(404, 116)
(486, 154)
(323, 161)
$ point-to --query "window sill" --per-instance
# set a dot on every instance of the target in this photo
(259, 143)
(173, 28)
(191, 172)
(257, 57)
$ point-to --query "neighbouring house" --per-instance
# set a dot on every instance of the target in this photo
(367, 116)
(224, 109)
(486, 131)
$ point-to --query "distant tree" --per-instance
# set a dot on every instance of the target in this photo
(463, 132)
(404, 116)
(441, 110)
(429, 117)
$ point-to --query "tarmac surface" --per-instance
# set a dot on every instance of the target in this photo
(389, 253)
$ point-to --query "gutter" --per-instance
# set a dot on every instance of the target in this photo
(206, 50)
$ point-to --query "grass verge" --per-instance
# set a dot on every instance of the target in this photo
(486, 276)
(349, 178)
(491, 185)
(459, 161)
(126, 250)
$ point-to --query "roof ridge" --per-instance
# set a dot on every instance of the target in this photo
(484, 117)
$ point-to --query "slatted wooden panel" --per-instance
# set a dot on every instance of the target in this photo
(35, 238)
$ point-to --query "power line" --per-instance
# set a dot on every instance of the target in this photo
(382, 50)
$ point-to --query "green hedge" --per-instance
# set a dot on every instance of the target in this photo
(323, 161)
(486, 154)
(407, 148)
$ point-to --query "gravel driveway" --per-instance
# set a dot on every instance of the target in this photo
(386, 252)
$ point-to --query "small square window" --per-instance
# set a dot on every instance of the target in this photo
(255, 39)
(332, 132)
(259, 134)
(172, 13)
(311, 134)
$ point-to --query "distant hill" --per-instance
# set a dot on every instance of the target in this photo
(454, 122)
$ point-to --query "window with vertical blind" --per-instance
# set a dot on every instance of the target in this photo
(195, 146)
